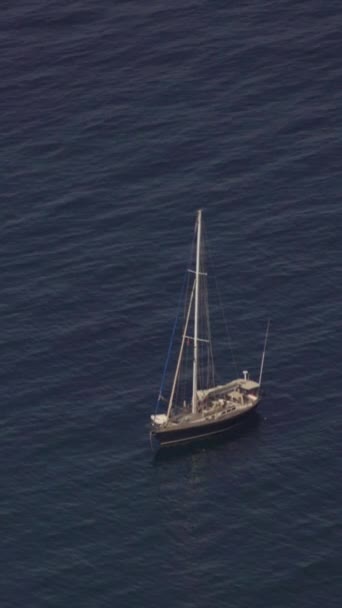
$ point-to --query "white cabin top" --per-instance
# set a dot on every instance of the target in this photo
(249, 385)
(246, 385)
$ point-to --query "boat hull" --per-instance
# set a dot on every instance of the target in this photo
(165, 438)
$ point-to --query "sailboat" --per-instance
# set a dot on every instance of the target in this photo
(208, 408)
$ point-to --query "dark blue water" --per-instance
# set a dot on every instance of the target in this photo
(118, 121)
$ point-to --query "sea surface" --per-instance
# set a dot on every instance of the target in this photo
(118, 120)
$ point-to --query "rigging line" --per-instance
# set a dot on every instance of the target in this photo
(171, 343)
(180, 355)
(189, 286)
(210, 355)
(230, 341)
(187, 366)
(202, 321)
(183, 289)
(264, 352)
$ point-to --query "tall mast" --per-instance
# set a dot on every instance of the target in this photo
(195, 363)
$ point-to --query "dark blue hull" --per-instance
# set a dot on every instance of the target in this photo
(180, 436)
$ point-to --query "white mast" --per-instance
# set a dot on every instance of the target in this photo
(194, 373)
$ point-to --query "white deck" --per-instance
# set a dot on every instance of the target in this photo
(218, 409)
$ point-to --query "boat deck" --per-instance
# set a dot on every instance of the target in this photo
(221, 409)
(218, 404)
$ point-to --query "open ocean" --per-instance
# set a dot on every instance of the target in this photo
(118, 121)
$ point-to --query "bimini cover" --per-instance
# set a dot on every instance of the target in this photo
(159, 418)
(249, 385)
